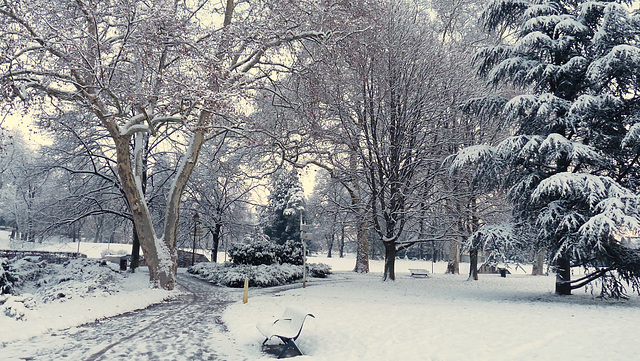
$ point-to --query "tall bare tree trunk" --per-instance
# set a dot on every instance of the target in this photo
(538, 262)
(473, 267)
(135, 250)
(362, 255)
(473, 225)
(362, 250)
(216, 242)
(160, 253)
(157, 256)
(341, 247)
(389, 261)
(330, 241)
(454, 258)
(99, 225)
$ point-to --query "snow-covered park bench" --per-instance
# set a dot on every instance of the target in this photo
(287, 328)
(419, 272)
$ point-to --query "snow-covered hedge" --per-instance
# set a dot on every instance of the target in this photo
(29, 281)
(232, 275)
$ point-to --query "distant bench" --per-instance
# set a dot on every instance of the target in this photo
(419, 272)
(287, 328)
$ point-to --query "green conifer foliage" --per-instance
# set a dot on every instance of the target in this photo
(571, 169)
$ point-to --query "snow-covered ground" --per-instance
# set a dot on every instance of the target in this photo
(82, 302)
(359, 317)
(444, 317)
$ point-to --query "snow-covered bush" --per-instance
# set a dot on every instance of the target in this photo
(6, 279)
(28, 281)
(17, 307)
(231, 275)
(291, 252)
(25, 269)
(261, 251)
(318, 270)
(80, 277)
(255, 252)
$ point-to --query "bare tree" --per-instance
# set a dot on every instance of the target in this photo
(380, 113)
(329, 211)
(220, 190)
(137, 67)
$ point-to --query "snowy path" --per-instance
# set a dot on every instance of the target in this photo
(186, 328)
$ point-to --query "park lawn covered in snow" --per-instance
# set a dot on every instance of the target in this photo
(359, 317)
(445, 317)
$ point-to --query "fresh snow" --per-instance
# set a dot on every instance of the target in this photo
(127, 293)
(359, 317)
(444, 317)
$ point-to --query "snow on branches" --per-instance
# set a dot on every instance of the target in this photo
(502, 243)
(572, 167)
(590, 210)
(578, 187)
(632, 138)
(621, 63)
(542, 108)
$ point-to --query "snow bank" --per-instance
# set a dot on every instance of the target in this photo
(52, 297)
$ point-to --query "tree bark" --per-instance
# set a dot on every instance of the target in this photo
(538, 262)
(142, 150)
(135, 251)
(362, 250)
(362, 255)
(155, 255)
(172, 211)
(473, 267)
(454, 258)
(98, 235)
(216, 242)
(563, 276)
(341, 247)
(389, 261)
(160, 253)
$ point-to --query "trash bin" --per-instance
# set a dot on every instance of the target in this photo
(503, 272)
(123, 263)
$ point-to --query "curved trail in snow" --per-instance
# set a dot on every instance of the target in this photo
(188, 327)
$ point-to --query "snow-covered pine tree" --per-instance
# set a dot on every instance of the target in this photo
(281, 218)
(571, 168)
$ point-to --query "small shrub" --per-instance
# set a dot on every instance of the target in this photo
(318, 270)
(7, 279)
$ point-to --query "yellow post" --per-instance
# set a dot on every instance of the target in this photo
(245, 297)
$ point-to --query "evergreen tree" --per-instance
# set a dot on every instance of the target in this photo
(571, 168)
(281, 218)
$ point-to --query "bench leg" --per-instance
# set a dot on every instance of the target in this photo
(288, 343)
